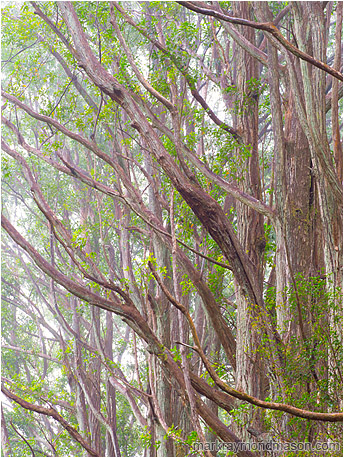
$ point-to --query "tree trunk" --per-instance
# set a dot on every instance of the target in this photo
(5, 443)
(251, 373)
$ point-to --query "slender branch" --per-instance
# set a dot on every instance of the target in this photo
(20, 51)
(31, 352)
(50, 412)
(22, 437)
(63, 93)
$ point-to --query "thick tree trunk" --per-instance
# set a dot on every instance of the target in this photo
(251, 373)
(163, 331)
(329, 186)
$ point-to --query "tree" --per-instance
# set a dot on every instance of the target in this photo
(172, 215)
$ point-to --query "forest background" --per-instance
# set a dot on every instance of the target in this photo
(172, 215)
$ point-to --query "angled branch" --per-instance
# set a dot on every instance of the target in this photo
(50, 412)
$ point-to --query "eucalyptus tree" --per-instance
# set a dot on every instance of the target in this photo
(172, 214)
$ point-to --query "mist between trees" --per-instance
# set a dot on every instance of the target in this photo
(172, 215)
